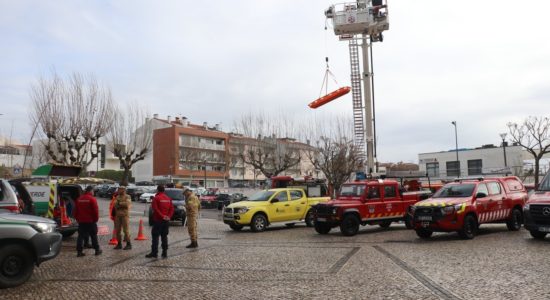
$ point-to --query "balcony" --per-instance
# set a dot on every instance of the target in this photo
(206, 146)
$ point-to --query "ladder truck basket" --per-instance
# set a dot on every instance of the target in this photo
(357, 18)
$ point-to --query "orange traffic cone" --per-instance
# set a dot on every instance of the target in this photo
(141, 236)
(113, 240)
(64, 219)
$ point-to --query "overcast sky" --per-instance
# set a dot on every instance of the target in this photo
(481, 63)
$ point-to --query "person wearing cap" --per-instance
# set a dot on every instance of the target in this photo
(192, 206)
(87, 214)
(163, 209)
(122, 218)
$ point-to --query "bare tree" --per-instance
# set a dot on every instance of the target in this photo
(130, 138)
(335, 153)
(72, 114)
(273, 151)
(533, 135)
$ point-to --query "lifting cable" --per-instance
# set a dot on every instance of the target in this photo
(326, 79)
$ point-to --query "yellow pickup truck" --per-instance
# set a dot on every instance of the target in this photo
(283, 205)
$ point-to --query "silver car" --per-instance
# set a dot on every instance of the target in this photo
(25, 241)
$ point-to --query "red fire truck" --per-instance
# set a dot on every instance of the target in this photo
(466, 203)
(366, 202)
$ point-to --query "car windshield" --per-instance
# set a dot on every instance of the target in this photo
(545, 184)
(175, 194)
(455, 190)
(261, 196)
(352, 190)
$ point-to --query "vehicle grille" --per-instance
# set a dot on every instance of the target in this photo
(228, 210)
(434, 212)
(537, 214)
(323, 209)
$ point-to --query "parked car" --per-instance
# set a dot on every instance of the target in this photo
(208, 199)
(178, 200)
(25, 241)
(102, 190)
(223, 199)
(147, 196)
(135, 192)
(110, 192)
(236, 197)
(465, 204)
(366, 202)
(9, 201)
(537, 210)
(286, 205)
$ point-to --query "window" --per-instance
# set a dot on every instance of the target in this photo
(282, 196)
(295, 195)
(494, 188)
(453, 168)
(374, 192)
(515, 185)
(352, 190)
(389, 191)
(432, 169)
(482, 188)
(474, 167)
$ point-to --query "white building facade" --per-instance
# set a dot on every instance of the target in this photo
(486, 160)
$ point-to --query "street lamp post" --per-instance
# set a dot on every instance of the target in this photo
(503, 136)
(204, 173)
(456, 147)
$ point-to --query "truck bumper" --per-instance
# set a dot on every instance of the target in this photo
(535, 225)
(46, 245)
(443, 224)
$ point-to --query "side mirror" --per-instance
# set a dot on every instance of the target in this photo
(274, 200)
(481, 195)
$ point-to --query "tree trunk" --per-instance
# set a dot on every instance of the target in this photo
(125, 176)
(537, 166)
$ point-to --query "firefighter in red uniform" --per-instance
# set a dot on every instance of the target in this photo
(162, 213)
(87, 215)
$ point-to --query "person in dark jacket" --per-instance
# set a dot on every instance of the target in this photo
(163, 209)
(87, 214)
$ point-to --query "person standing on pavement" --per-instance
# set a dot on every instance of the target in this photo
(192, 206)
(122, 218)
(86, 212)
(163, 209)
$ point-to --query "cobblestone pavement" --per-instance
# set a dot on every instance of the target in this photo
(297, 263)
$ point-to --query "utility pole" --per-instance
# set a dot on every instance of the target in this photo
(456, 147)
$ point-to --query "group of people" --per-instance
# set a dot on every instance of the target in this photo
(86, 212)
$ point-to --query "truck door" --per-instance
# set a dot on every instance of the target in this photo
(392, 202)
(298, 205)
(279, 209)
(500, 204)
(375, 208)
(483, 204)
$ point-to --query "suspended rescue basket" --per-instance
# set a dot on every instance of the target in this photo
(328, 97)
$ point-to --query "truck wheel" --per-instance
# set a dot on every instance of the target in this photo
(469, 228)
(259, 223)
(424, 233)
(385, 224)
(322, 228)
(349, 225)
(16, 265)
(514, 224)
(537, 234)
(408, 222)
(309, 218)
(236, 227)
